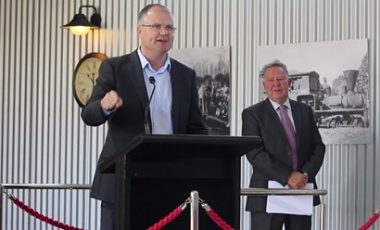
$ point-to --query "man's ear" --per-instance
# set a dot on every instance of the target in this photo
(138, 29)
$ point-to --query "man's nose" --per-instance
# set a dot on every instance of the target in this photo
(164, 31)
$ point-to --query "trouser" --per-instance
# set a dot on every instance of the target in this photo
(107, 216)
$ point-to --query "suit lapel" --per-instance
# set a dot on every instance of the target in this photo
(176, 84)
(276, 120)
(138, 79)
(278, 129)
(297, 118)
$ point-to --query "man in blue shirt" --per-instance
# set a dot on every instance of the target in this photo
(122, 92)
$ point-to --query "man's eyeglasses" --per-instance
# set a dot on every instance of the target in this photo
(159, 27)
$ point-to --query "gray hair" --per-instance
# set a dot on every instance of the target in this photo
(145, 10)
(275, 63)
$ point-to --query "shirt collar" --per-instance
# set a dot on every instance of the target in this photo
(276, 104)
(145, 63)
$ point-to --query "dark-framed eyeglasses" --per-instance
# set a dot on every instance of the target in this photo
(159, 27)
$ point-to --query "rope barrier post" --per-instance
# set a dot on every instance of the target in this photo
(1, 205)
(194, 210)
(322, 216)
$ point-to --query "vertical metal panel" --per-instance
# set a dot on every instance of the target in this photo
(43, 139)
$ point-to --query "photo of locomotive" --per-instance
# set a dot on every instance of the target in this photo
(333, 78)
(342, 105)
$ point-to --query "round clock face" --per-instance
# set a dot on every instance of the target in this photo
(85, 75)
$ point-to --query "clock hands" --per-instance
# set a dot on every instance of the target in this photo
(91, 77)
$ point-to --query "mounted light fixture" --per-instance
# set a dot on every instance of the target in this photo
(80, 25)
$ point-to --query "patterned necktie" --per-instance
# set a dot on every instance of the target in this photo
(290, 133)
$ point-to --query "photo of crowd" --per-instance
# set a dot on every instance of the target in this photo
(214, 97)
(212, 66)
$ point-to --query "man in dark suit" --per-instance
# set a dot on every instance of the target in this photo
(122, 91)
(277, 158)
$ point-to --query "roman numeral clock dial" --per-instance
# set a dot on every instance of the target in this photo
(85, 75)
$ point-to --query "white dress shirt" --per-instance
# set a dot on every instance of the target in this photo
(161, 105)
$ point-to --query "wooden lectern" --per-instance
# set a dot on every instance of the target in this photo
(156, 173)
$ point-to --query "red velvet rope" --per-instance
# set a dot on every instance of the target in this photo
(167, 219)
(218, 220)
(370, 221)
(40, 216)
(163, 222)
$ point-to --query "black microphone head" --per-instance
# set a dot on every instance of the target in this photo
(152, 80)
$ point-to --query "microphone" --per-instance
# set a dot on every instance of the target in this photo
(152, 81)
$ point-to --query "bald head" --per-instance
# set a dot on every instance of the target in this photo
(144, 12)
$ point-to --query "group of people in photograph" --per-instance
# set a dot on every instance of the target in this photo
(214, 97)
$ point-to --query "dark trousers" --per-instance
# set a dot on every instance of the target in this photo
(265, 221)
(107, 216)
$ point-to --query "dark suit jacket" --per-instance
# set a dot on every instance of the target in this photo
(272, 161)
(124, 75)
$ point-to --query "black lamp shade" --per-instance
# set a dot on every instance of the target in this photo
(96, 19)
(81, 20)
(80, 25)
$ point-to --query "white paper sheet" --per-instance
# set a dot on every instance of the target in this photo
(290, 204)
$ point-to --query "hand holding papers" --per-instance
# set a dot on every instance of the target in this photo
(289, 204)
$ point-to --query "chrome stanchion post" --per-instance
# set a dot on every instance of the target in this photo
(1, 202)
(322, 217)
(1, 206)
(194, 209)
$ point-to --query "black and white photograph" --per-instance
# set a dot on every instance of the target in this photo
(332, 78)
(212, 66)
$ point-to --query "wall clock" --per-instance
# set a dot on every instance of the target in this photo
(85, 74)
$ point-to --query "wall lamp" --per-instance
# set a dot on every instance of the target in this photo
(80, 25)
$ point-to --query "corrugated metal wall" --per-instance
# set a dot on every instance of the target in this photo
(43, 140)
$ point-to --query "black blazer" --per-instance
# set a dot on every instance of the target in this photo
(272, 161)
(125, 75)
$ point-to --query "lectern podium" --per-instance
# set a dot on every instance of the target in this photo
(156, 173)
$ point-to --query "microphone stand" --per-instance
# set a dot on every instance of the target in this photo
(152, 81)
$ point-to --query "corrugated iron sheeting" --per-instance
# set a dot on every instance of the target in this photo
(42, 137)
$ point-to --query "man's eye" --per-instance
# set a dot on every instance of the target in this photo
(156, 26)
